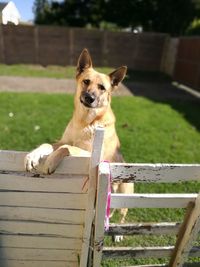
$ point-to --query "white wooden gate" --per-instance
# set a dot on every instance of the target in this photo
(187, 231)
(45, 221)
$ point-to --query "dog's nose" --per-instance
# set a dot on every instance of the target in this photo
(89, 99)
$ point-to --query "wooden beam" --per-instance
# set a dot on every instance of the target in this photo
(31, 254)
(137, 252)
(35, 263)
(39, 241)
(157, 173)
(144, 229)
(189, 264)
(14, 161)
(143, 252)
(92, 185)
(52, 183)
(102, 192)
(188, 233)
(151, 200)
(43, 200)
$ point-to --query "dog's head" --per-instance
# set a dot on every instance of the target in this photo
(94, 88)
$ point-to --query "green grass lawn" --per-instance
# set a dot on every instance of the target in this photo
(27, 70)
(149, 132)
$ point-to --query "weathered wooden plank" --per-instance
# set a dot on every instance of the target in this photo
(42, 215)
(101, 200)
(144, 228)
(21, 263)
(137, 252)
(188, 264)
(143, 252)
(38, 254)
(188, 233)
(17, 181)
(89, 215)
(160, 173)
(41, 229)
(151, 200)
(28, 241)
(149, 265)
(43, 200)
(14, 161)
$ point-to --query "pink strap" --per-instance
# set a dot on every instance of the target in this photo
(107, 215)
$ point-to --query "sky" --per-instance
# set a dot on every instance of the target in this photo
(25, 8)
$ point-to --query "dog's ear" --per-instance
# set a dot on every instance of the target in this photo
(117, 75)
(84, 61)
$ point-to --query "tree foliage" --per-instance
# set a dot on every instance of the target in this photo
(166, 16)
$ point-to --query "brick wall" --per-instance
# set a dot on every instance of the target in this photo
(48, 45)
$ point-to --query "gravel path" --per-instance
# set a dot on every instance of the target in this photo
(152, 90)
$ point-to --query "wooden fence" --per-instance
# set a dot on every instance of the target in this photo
(51, 45)
(187, 66)
(46, 220)
(61, 46)
(187, 230)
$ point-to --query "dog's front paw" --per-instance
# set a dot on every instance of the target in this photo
(49, 166)
(54, 159)
(35, 159)
(32, 160)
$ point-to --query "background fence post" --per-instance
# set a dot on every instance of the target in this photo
(36, 56)
(2, 50)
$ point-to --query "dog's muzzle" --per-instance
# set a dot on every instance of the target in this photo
(88, 100)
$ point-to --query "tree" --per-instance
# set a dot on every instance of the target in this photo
(40, 9)
(173, 16)
(167, 16)
(75, 13)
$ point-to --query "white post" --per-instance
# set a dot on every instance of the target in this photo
(89, 215)
(102, 192)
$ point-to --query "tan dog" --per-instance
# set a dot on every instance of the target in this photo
(92, 108)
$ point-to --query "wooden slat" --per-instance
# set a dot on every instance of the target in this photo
(20, 182)
(23, 241)
(143, 252)
(43, 200)
(151, 200)
(160, 173)
(42, 215)
(144, 229)
(188, 264)
(101, 200)
(39, 254)
(187, 235)
(149, 265)
(14, 161)
(20, 263)
(41, 229)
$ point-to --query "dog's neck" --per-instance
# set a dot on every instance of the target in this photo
(93, 116)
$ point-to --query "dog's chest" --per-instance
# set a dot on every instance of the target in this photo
(83, 138)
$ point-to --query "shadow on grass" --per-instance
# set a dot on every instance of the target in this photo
(158, 88)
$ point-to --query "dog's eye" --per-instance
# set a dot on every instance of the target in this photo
(101, 87)
(86, 81)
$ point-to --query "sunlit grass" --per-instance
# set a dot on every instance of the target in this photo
(148, 131)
